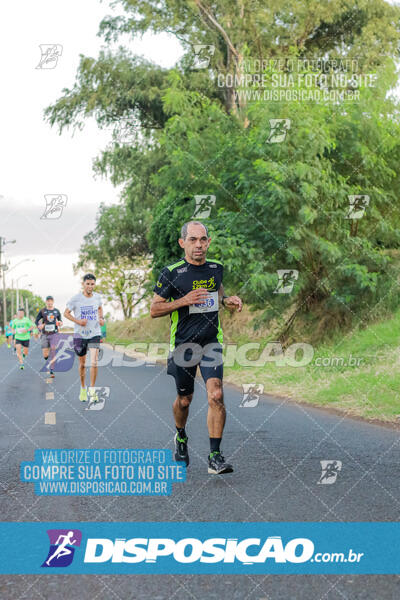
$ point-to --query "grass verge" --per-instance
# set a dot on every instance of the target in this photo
(357, 373)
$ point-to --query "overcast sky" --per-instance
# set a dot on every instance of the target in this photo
(35, 160)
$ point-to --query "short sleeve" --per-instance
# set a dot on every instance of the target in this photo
(163, 286)
(71, 303)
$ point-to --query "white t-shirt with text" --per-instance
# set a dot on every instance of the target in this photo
(84, 307)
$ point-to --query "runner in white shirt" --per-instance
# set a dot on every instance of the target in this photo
(88, 318)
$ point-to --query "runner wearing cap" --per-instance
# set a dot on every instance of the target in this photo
(48, 321)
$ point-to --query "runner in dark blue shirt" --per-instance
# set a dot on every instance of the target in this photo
(191, 291)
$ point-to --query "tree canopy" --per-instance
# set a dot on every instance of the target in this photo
(285, 205)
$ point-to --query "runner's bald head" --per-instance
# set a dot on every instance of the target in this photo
(184, 229)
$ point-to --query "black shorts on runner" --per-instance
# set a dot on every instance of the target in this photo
(184, 360)
(81, 344)
(24, 343)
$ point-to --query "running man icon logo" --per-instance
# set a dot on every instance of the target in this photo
(203, 61)
(64, 354)
(97, 402)
(251, 394)
(286, 280)
(357, 206)
(204, 205)
(62, 547)
(50, 54)
(330, 471)
(55, 203)
(130, 282)
(279, 129)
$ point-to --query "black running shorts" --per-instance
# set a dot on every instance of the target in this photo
(24, 343)
(184, 360)
(81, 344)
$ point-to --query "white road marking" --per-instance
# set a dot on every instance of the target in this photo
(50, 418)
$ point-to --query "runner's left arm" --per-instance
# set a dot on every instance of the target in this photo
(231, 302)
(101, 318)
(59, 319)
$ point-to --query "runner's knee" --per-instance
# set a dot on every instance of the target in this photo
(184, 401)
(215, 396)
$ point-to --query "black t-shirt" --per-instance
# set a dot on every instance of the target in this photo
(198, 323)
(50, 318)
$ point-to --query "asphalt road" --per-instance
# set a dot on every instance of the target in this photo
(275, 448)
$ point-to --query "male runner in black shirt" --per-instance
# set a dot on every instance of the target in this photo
(48, 320)
(190, 291)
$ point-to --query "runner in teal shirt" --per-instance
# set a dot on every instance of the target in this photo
(9, 333)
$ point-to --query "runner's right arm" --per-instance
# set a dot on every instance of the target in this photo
(70, 316)
(39, 317)
(164, 291)
(161, 307)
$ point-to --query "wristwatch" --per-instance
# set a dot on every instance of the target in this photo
(223, 299)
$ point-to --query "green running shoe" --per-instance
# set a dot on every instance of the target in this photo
(181, 449)
(93, 397)
(217, 464)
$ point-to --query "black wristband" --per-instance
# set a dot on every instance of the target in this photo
(223, 299)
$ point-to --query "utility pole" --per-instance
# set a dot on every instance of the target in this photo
(3, 277)
(3, 268)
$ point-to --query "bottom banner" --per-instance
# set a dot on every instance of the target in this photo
(199, 547)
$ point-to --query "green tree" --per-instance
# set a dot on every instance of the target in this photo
(278, 205)
(34, 302)
(285, 206)
(123, 286)
(368, 30)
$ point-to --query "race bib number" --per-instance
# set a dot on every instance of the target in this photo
(50, 327)
(20, 329)
(210, 304)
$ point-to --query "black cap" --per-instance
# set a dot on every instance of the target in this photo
(89, 276)
(49, 298)
(22, 308)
